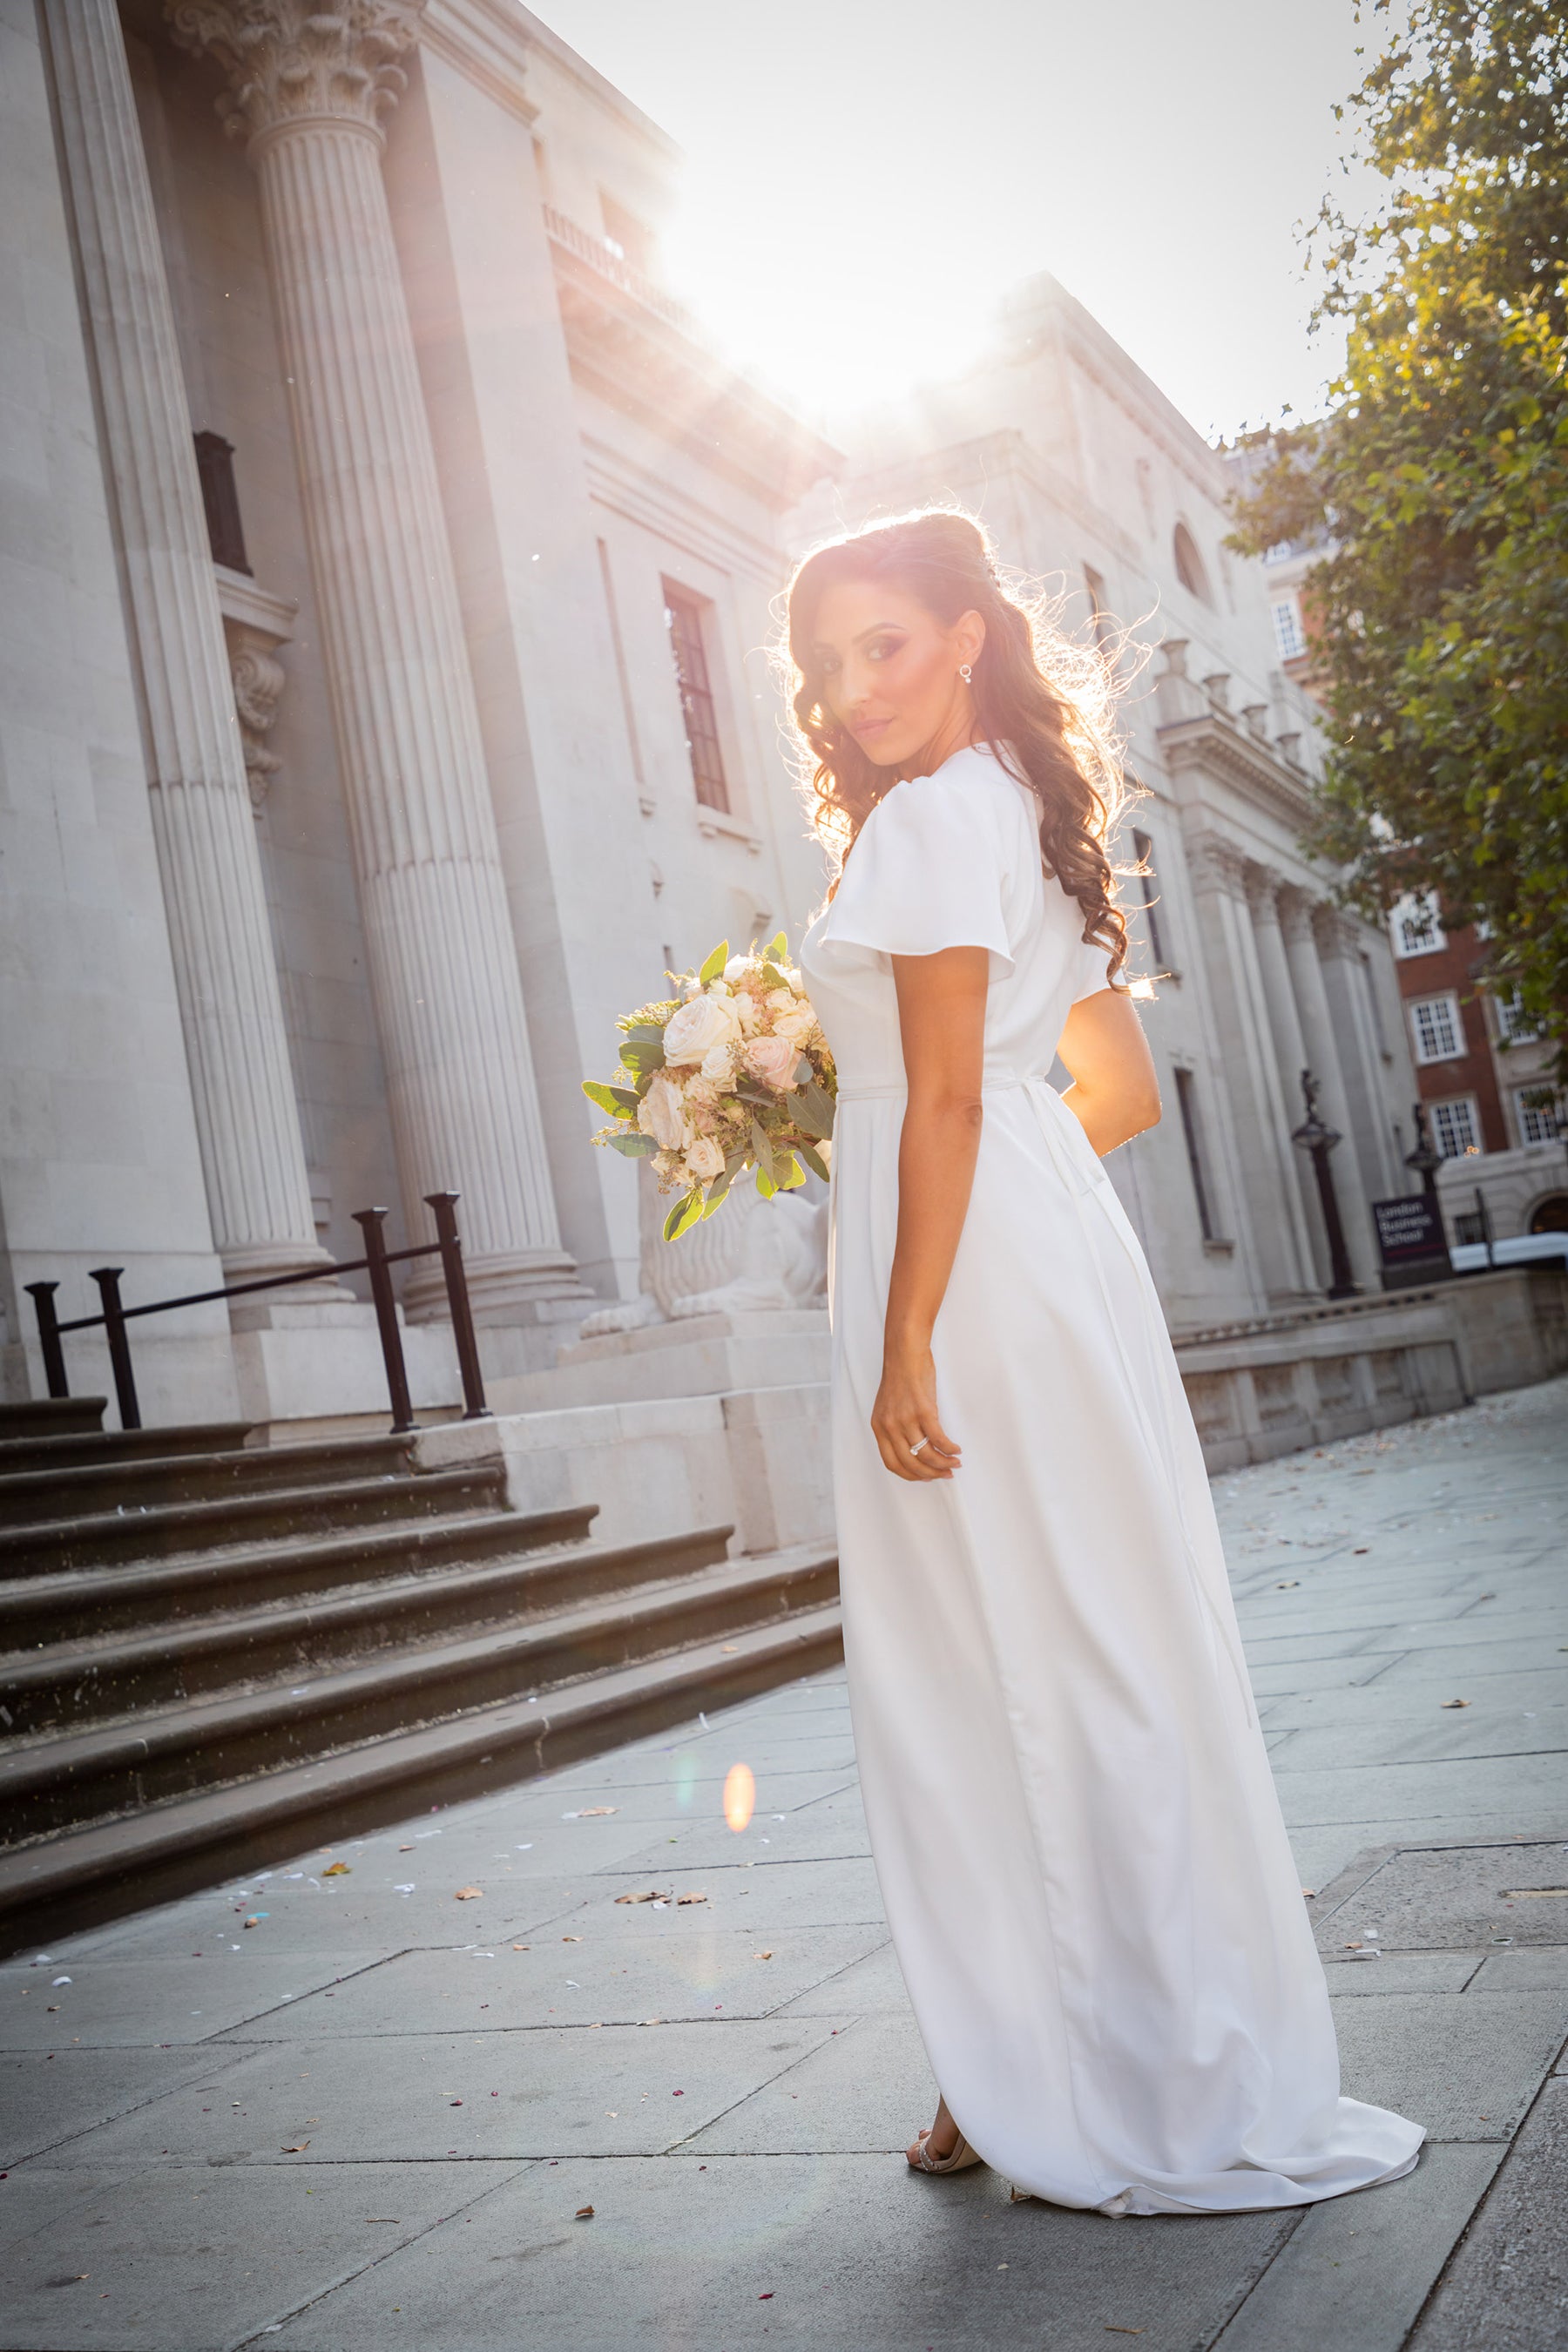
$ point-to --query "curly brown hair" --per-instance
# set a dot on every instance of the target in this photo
(1044, 703)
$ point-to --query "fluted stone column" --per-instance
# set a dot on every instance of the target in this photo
(1279, 1231)
(1296, 922)
(1263, 887)
(237, 1048)
(308, 86)
(1349, 985)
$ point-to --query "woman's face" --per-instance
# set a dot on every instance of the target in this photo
(889, 671)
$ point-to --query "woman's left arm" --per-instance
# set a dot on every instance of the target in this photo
(1114, 1093)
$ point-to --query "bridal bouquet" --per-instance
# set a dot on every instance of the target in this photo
(732, 1072)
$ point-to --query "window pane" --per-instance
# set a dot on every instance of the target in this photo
(1416, 927)
(1455, 1130)
(1144, 850)
(1540, 1114)
(683, 618)
(1289, 634)
(1439, 1034)
(1190, 1135)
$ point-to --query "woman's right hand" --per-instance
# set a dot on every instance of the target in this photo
(905, 1418)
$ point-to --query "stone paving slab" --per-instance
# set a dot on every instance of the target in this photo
(775, 2251)
(290, 2165)
(1354, 2275)
(183, 2260)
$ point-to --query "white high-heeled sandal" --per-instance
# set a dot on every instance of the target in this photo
(960, 2157)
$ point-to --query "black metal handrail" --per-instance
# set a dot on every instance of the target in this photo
(378, 1263)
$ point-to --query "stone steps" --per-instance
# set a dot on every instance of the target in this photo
(137, 1481)
(57, 1887)
(203, 1645)
(67, 1682)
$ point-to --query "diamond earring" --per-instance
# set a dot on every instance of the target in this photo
(965, 672)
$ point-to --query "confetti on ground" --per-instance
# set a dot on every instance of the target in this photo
(336, 1870)
(585, 2213)
(470, 1894)
(690, 1898)
(1456, 1702)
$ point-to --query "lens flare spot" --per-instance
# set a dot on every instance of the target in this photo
(685, 1781)
(740, 1796)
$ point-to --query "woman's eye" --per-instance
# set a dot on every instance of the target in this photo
(883, 650)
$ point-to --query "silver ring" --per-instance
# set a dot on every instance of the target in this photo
(918, 1444)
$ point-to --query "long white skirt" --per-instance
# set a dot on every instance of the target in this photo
(1076, 1831)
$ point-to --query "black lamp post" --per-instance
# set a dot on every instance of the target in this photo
(1316, 1136)
(1424, 1159)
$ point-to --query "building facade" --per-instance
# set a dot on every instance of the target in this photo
(390, 565)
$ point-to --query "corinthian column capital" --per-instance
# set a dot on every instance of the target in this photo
(291, 61)
(1263, 887)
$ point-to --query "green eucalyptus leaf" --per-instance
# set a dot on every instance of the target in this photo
(620, 1101)
(762, 1146)
(714, 967)
(633, 1147)
(765, 1184)
(788, 1172)
(777, 949)
(818, 1165)
(718, 1192)
(642, 1057)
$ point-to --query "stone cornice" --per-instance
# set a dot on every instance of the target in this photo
(1215, 743)
(487, 41)
(290, 62)
(632, 345)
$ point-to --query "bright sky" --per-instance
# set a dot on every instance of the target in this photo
(867, 177)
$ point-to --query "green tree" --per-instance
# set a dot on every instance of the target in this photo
(1439, 481)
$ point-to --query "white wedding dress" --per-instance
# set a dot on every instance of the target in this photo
(1076, 1831)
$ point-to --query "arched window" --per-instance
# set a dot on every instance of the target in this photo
(1190, 565)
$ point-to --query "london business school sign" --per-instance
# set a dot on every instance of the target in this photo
(1410, 1231)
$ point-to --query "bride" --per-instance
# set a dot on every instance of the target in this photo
(1074, 1827)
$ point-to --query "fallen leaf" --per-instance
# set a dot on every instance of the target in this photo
(653, 1896)
(571, 1939)
(766, 2298)
(762, 1955)
(596, 1812)
(585, 2213)
(1309, 1891)
(690, 1898)
(255, 1921)
(405, 1848)
(523, 1947)
(1456, 1702)
(470, 1894)
(336, 1870)
(296, 2148)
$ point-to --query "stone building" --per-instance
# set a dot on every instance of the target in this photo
(388, 570)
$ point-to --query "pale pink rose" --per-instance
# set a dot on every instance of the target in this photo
(704, 1161)
(700, 1025)
(773, 1060)
(662, 1114)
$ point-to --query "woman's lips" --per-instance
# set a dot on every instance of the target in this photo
(866, 729)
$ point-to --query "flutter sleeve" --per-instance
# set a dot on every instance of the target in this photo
(930, 869)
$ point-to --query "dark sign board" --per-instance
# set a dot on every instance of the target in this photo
(1410, 1230)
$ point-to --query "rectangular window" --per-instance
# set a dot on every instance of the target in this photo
(1186, 1097)
(1416, 925)
(1540, 1114)
(1144, 850)
(630, 238)
(683, 615)
(1099, 619)
(214, 468)
(1289, 634)
(1455, 1129)
(1514, 1025)
(1439, 1032)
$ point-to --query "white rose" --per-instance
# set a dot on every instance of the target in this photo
(796, 1023)
(662, 1114)
(704, 1161)
(700, 1024)
(737, 969)
(751, 1016)
(718, 1064)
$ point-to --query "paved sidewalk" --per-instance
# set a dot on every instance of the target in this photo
(372, 2118)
